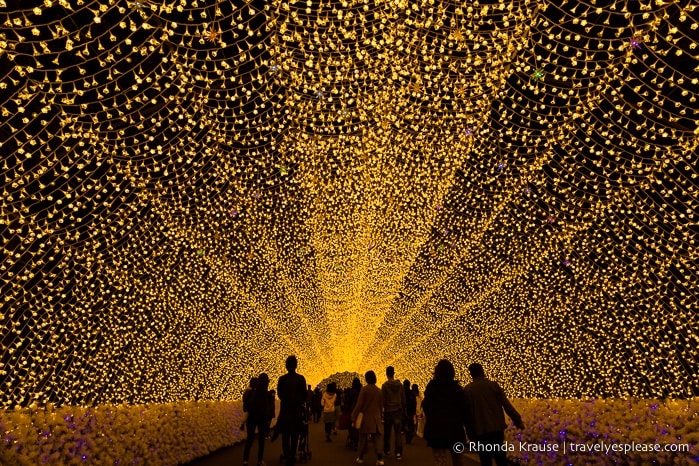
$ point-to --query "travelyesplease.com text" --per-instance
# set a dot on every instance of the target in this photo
(573, 447)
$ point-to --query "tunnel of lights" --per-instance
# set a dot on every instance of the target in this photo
(194, 189)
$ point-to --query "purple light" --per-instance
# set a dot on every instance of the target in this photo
(635, 43)
(566, 262)
(501, 166)
(468, 132)
(439, 207)
(234, 213)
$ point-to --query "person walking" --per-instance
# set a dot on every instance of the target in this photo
(339, 399)
(368, 408)
(445, 414)
(291, 390)
(317, 405)
(309, 399)
(485, 403)
(393, 412)
(419, 415)
(259, 404)
(246, 395)
(328, 402)
(410, 409)
(350, 403)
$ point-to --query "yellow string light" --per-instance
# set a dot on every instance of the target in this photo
(192, 190)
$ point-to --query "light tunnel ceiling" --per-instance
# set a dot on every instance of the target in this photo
(193, 190)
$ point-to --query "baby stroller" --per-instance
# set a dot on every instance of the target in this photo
(304, 450)
(304, 447)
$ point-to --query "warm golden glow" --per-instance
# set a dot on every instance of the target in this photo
(194, 189)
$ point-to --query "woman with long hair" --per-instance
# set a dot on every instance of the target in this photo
(260, 409)
(351, 398)
(410, 408)
(368, 408)
(445, 414)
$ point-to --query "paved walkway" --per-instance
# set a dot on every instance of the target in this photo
(325, 454)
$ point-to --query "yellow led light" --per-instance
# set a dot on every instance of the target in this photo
(192, 191)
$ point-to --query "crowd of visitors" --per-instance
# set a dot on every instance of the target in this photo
(445, 417)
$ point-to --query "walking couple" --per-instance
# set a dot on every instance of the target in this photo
(258, 406)
(449, 408)
(378, 412)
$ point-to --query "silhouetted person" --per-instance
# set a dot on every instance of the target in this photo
(393, 412)
(309, 399)
(350, 402)
(291, 390)
(317, 404)
(328, 401)
(410, 409)
(445, 414)
(419, 416)
(485, 402)
(260, 408)
(369, 405)
(273, 394)
(339, 399)
(246, 395)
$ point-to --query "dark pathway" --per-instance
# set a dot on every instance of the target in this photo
(325, 454)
